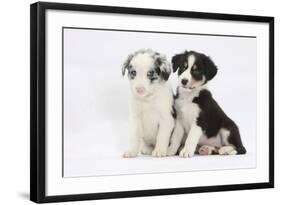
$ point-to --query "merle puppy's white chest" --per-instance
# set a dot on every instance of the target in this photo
(149, 122)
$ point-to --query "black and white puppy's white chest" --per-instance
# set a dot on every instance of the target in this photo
(187, 110)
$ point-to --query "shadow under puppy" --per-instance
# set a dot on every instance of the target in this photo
(151, 119)
(200, 120)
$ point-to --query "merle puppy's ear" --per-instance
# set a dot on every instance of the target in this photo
(177, 60)
(126, 64)
(163, 64)
(211, 68)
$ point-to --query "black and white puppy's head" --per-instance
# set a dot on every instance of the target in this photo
(147, 70)
(194, 69)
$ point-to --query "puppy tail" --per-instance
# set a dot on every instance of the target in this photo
(235, 139)
(241, 150)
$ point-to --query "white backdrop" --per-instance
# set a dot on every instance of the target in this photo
(14, 173)
(95, 98)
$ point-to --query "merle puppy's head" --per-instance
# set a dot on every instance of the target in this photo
(147, 70)
(194, 69)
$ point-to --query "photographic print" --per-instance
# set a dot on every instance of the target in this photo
(125, 96)
(129, 102)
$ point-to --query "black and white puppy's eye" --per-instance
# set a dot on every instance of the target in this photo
(150, 73)
(195, 71)
(196, 74)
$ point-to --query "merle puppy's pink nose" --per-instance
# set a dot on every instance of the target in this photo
(140, 89)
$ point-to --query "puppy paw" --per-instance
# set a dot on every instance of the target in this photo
(171, 151)
(205, 150)
(146, 150)
(187, 152)
(159, 153)
(130, 154)
(227, 150)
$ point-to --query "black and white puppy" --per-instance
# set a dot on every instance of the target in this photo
(200, 120)
(151, 111)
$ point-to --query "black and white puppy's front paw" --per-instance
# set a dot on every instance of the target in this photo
(187, 151)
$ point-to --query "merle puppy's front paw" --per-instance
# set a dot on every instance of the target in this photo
(147, 150)
(130, 154)
(157, 152)
(171, 151)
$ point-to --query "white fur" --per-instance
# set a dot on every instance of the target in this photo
(150, 119)
(220, 140)
(215, 141)
(227, 150)
(191, 141)
(187, 113)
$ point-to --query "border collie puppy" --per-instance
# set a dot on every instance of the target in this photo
(151, 111)
(200, 120)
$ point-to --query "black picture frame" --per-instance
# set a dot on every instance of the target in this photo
(38, 97)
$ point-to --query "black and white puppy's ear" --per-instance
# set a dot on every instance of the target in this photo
(162, 64)
(211, 68)
(126, 64)
(177, 60)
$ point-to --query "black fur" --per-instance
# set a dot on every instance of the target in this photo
(178, 62)
(165, 75)
(204, 65)
(160, 63)
(212, 118)
(174, 112)
(126, 64)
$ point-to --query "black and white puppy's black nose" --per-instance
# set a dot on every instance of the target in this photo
(184, 81)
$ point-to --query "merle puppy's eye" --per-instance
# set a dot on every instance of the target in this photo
(150, 73)
(133, 73)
